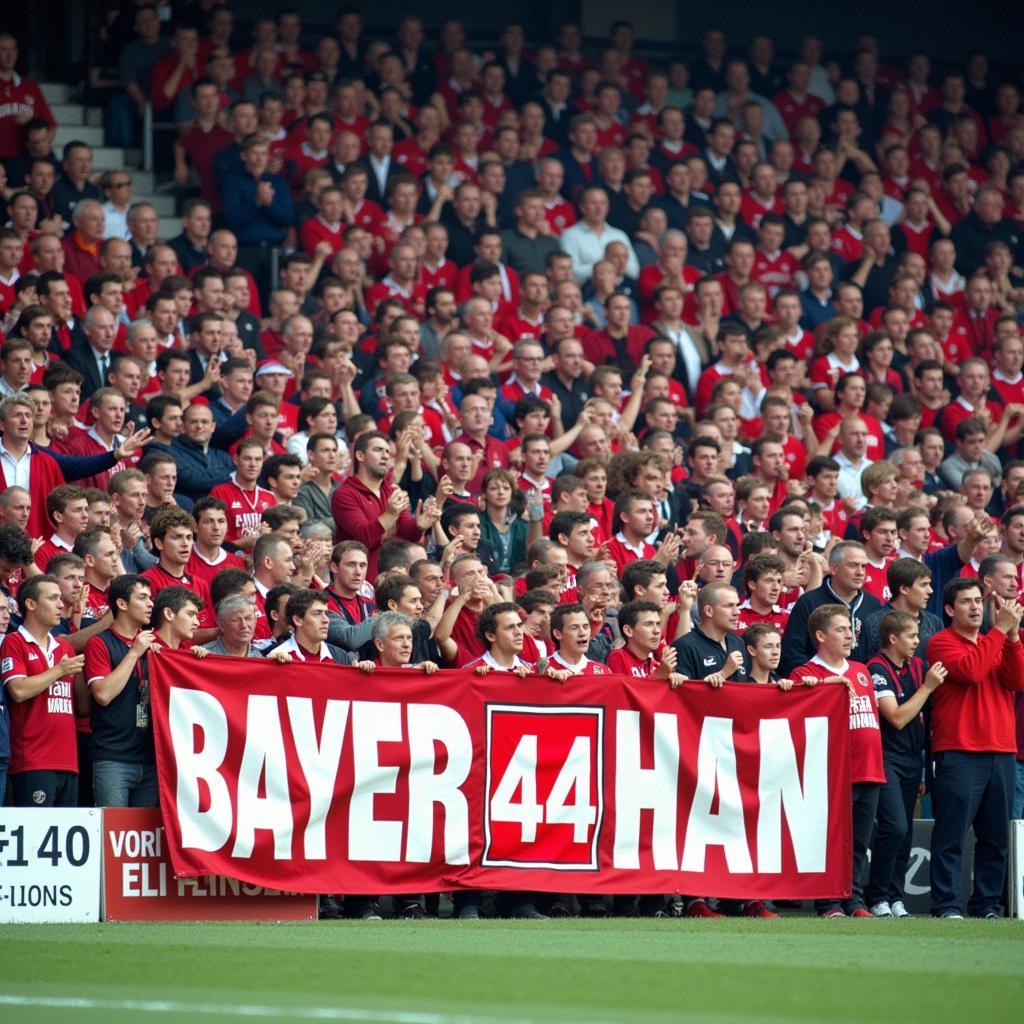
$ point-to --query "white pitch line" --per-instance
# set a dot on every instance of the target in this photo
(328, 1013)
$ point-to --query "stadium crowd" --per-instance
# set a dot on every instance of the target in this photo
(525, 360)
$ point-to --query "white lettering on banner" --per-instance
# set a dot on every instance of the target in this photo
(373, 723)
(638, 789)
(187, 711)
(574, 780)
(779, 789)
(263, 762)
(792, 790)
(716, 776)
(135, 843)
(520, 777)
(137, 879)
(429, 725)
(319, 761)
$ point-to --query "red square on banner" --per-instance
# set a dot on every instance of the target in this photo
(544, 787)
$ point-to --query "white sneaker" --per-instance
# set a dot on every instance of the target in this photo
(899, 909)
(881, 909)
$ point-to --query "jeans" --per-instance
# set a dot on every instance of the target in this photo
(1018, 794)
(971, 790)
(890, 846)
(119, 784)
(865, 801)
(122, 120)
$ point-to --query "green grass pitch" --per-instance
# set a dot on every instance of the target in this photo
(494, 972)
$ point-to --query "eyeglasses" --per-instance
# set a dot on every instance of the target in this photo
(119, 184)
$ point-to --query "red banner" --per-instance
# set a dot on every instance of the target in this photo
(323, 779)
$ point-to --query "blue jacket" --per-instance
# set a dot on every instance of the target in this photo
(945, 565)
(199, 471)
(252, 223)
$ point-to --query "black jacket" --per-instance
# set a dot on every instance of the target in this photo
(81, 358)
(797, 648)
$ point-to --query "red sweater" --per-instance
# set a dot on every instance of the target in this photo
(357, 511)
(973, 709)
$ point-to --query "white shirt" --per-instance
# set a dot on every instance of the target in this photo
(115, 222)
(380, 170)
(586, 247)
(689, 354)
(291, 646)
(17, 472)
(849, 478)
(488, 659)
(577, 670)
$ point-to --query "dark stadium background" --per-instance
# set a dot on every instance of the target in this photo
(55, 34)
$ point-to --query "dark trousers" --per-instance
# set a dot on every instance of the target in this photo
(45, 789)
(971, 790)
(3, 780)
(85, 793)
(894, 831)
(257, 259)
(864, 799)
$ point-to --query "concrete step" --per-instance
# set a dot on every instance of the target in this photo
(79, 133)
(142, 181)
(163, 204)
(110, 158)
(170, 227)
(69, 114)
(55, 92)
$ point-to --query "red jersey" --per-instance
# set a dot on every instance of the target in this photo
(444, 275)
(43, 735)
(369, 215)
(776, 616)
(314, 231)
(49, 548)
(624, 662)
(160, 578)
(792, 108)
(602, 514)
(848, 244)
(865, 735)
(836, 517)
(1010, 391)
(96, 603)
(613, 135)
(560, 215)
(584, 667)
(411, 155)
(875, 578)
(753, 207)
(960, 409)
(827, 369)
(20, 100)
(776, 271)
(650, 280)
(623, 554)
(204, 571)
(413, 299)
(918, 237)
(245, 508)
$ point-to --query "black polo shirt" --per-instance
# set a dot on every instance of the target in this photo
(700, 656)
